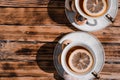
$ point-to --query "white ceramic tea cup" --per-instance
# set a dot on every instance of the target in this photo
(73, 5)
(80, 11)
(86, 76)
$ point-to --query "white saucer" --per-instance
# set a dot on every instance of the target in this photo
(84, 38)
(97, 24)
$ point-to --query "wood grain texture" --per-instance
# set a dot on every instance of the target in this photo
(33, 28)
(30, 59)
(33, 3)
(37, 16)
(33, 16)
(22, 69)
(52, 33)
(44, 51)
(27, 78)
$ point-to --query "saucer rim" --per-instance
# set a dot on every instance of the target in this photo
(102, 21)
(59, 67)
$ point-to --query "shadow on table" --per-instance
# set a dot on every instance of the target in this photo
(44, 58)
(56, 12)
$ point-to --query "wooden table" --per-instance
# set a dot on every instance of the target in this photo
(32, 28)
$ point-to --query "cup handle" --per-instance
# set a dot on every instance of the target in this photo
(93, 23)
(79, 19)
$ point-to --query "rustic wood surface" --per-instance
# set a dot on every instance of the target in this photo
(32, 28)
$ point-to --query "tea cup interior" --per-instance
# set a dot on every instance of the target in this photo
(64, 62)
(79, 3)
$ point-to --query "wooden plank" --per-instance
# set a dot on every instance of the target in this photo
(32, 16)
(36, 59)
(52, 33)
(47, 78)
(33, 3)
(110, 76)
(32, 33)
(22, 51)
(37, 16)
(27, 78)
(22, 69)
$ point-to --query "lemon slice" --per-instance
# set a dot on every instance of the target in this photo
(80, 61)
(95, 8)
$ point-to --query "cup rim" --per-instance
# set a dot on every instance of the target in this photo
(87, 16)
(63, 58)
